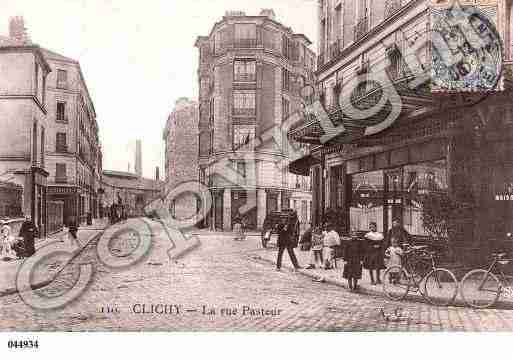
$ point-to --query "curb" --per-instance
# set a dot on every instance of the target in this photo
(42, 284)
(410, 298)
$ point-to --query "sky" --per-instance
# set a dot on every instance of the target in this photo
(138, 58)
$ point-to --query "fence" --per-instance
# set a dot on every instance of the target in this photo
(55, 211)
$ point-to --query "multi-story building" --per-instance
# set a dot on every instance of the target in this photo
(252, 69)
(438, 145)
(181, 155)
(73, 151)
(24, 126)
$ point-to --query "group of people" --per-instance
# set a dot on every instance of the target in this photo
(16, 247)
(23, 246)
(372, 251)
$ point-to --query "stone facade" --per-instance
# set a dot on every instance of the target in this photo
(23, 72)
(181, 158)
(129, 191)
(73, 150)
(252, 69)
(436, 148)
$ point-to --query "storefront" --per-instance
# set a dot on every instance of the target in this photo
(455, 166)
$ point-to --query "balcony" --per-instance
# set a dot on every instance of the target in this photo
(361, 28)
(391, 7)
(61, 179)
(245, 77)
(245, 43)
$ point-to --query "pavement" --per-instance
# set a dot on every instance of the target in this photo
(334, 276)
(49, 268)
(219, 286)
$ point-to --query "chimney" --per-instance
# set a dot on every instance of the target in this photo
(17, 30)
(157, 173)
(268, 13)
(138, 158)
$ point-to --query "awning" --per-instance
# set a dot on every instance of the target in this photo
(301, 166)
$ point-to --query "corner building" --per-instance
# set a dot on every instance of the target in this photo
(252, 69)
(435, 146)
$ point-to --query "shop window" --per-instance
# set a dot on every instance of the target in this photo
(367, 200)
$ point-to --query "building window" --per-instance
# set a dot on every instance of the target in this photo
(202, 176)
(61, 145)
(241, 170)
(34, 144)
(244, 103)
(62, 79)
(245, 35)
(61, 112)
(245, 70)
(37, 80)
(286, 79)
(42, 147)
(285, 109)
(60, 173)
(243, 136)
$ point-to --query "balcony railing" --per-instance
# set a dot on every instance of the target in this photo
(361, 28)
(245, 77)
(60, 179)
(245, 43)
(391, 7)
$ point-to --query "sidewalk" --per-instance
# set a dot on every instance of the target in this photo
(9, 270)
(334, 276)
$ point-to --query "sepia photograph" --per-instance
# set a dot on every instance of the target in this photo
(255, 166)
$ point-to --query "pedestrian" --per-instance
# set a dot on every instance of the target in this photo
(331, 241)
(72, 229)
(375, 250)
(305, 243)
(238, 228)
(7, 241)
(286, 242)
(399, 232)
(353, 258)
(28, 232)
(394, 255)
(316, 249)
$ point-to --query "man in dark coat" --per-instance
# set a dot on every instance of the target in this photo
(28, 232)
(398, 232)
(286, 241)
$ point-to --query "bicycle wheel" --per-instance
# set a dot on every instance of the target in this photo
(440, 287)
(480, 289)
(396, 283)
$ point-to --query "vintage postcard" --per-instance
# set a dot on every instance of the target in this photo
(256, 166)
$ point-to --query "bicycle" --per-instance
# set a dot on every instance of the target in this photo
(420, 274)
(481, 288)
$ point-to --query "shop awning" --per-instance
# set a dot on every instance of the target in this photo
(301, 166)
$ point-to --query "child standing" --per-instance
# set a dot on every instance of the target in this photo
(353, 258)
(316, 250)
(394, 255)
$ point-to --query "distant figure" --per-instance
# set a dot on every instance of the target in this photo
(7, 241)
(238, 228)
(72, 228)
(398, 232)
(28, 232)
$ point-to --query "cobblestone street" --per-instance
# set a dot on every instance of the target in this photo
(246, 295)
